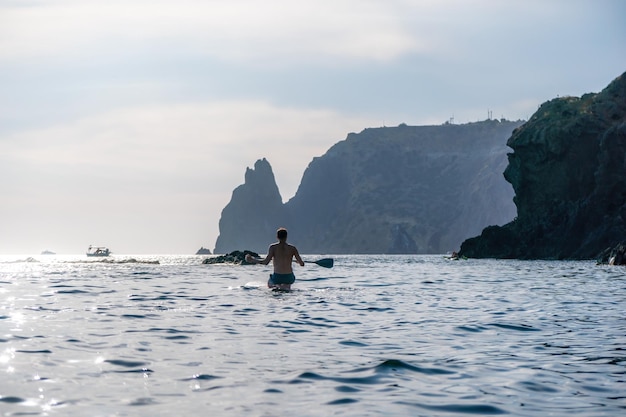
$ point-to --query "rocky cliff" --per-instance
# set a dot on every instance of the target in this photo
(568, 170)
(407, 189)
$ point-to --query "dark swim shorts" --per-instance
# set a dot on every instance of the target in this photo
(277, 279)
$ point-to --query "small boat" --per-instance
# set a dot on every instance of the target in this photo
(98, 251)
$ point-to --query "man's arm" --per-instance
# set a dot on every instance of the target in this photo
(270, 255)
(297, 255)
(268, 258)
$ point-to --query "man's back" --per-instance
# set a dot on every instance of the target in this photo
(282, 255)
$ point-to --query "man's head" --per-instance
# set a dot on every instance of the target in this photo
(281, 234)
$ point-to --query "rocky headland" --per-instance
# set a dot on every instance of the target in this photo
(568, 170)
(390, 190)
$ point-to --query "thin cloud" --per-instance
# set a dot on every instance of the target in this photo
(243, 31)
(192, 133)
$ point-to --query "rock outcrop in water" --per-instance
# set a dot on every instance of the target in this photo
(614, 256)
(235, 257)
(568, 171)
(408, 189)
(203, 251)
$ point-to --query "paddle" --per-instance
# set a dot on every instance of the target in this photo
(326, 262)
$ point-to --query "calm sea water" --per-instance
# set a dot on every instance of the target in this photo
(375, 335)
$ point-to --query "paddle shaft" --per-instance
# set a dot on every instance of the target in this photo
(326, 262)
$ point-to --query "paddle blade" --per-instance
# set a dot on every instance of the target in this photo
(326, 262)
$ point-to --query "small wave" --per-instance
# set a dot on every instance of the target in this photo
(346, 388)
(73, 292)
(609, 360)
(135, 316)
(143, 401)
(395, 365)
(536, 387)
(471, 329)
(377, 374)
(178, 337)
(201, 377)
(126, 364)
(519, 328)
(170, 334)
(478, 409)
(310, 375)
(12, 400)
(342, 401)
(352, 343)
(134, 371)
(314, 279)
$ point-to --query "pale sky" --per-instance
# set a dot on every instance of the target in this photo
(128, 123)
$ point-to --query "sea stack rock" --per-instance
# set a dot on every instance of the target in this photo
(253, 214)
(568, 171)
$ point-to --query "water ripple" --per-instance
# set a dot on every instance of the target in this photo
(478, 409)
(376, 335)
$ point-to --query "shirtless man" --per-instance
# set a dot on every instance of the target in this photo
(282, 255)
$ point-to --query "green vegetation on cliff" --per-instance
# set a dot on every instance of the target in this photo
(568, 171)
